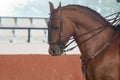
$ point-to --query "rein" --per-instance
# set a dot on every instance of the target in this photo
(115, 22)
(86, 62)
(84, 34)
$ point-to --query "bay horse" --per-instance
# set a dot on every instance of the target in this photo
(98, 42)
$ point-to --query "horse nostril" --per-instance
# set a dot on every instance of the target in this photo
(53, 51)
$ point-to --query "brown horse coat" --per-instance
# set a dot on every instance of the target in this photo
(75, 20)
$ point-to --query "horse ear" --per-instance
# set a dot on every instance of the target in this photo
(51, 6)
(59, 5)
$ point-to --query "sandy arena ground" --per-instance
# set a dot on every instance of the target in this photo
(40, 67)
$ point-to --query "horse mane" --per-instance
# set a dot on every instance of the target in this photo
(87, 8)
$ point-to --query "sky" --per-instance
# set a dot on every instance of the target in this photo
(40, 8)
(7, 6)
(21, 7)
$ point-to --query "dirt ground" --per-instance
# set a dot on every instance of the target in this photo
(40, 67)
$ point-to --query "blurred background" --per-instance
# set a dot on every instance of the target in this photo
(30, 18)
(40, 8)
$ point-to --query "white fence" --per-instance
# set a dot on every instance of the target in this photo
(22, 28)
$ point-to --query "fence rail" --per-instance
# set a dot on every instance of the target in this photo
(23, 23)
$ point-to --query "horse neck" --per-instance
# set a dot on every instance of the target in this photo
(94, 44)
(84, 22)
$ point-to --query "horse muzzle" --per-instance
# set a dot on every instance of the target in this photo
(55, 50)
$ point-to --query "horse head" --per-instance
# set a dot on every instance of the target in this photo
(59, 31)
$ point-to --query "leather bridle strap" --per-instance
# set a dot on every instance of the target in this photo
(100, 28)
(86, 62)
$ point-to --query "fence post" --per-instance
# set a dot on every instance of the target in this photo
(29, 33)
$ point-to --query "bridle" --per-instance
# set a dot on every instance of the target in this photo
(50, 27)
(63, 46)
(60, 42)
